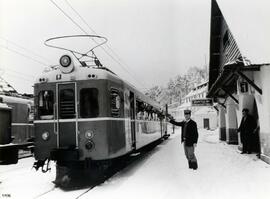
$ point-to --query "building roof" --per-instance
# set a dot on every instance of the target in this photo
(249, 23)
(196, 91)
(6, 87)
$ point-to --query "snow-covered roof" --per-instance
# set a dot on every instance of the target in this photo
(5, 87)
(249, 24)
(197, 91)
(184, 105)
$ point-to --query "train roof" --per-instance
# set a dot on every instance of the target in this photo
(77, 69)
(18, 100)
(4, 106)
(79, 73)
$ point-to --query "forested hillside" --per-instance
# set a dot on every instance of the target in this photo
(179, 86)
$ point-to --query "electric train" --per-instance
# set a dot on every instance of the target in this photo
(85, 114)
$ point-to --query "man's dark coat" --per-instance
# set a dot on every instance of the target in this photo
(247, 127)
(191, 135)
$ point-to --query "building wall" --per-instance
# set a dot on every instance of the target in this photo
(231, 121)
(199, 119)
(198, 114)
(247, 100)
(222, 123)
(261, 79)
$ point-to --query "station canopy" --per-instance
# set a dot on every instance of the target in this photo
(248, 24)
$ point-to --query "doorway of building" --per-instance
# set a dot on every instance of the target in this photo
(206, 123)
(256, 147)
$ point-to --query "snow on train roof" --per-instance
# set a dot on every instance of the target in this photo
(12, 99)
(4, 106)
(249, 23)
(79, 73)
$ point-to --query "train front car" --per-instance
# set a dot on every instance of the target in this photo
(86, 116)
(73, 116)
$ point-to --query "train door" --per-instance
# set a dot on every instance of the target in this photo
(67, 126)
(132, 117)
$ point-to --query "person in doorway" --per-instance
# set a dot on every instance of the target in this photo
(246, 129)
(189, 137)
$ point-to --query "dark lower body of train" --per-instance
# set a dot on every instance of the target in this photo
(91, 123)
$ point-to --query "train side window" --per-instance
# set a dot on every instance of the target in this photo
(89, 106)
(115, 103)
(45, 104)
(139, 109)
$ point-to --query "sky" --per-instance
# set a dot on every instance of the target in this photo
(153, 40)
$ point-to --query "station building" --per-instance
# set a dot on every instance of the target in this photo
(239, 68)
(205, 115)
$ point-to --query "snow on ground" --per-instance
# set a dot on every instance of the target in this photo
(223, 173)
(163, 173)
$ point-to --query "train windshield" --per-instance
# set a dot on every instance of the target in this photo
(45, 104)
(89, 103)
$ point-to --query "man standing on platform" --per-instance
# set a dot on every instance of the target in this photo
(189, 136)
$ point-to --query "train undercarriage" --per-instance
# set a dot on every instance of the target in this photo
(72, 173)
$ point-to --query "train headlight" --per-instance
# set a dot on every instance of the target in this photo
(45, 136)
(66, 64)
(65, 60)
(89, 145)
(89, 134)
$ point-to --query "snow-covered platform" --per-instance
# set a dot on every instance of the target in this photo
(163, 173)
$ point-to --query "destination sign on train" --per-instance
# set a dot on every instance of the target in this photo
(202, 102)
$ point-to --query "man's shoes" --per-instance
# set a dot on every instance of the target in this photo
(243, 152)
(194, 165)
(249, 152)
(190, 164)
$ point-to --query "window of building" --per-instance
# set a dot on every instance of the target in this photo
(89, 106)
(45, 104)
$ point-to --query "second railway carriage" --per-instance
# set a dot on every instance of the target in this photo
(22, 118)
(89, 114)
(16, 127)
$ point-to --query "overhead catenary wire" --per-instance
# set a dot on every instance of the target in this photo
(13, 71)
(75, 23)
(118, 57)
(25, 49)
(21, 54)
(19, 77)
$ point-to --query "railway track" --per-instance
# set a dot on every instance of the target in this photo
(78, 190)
